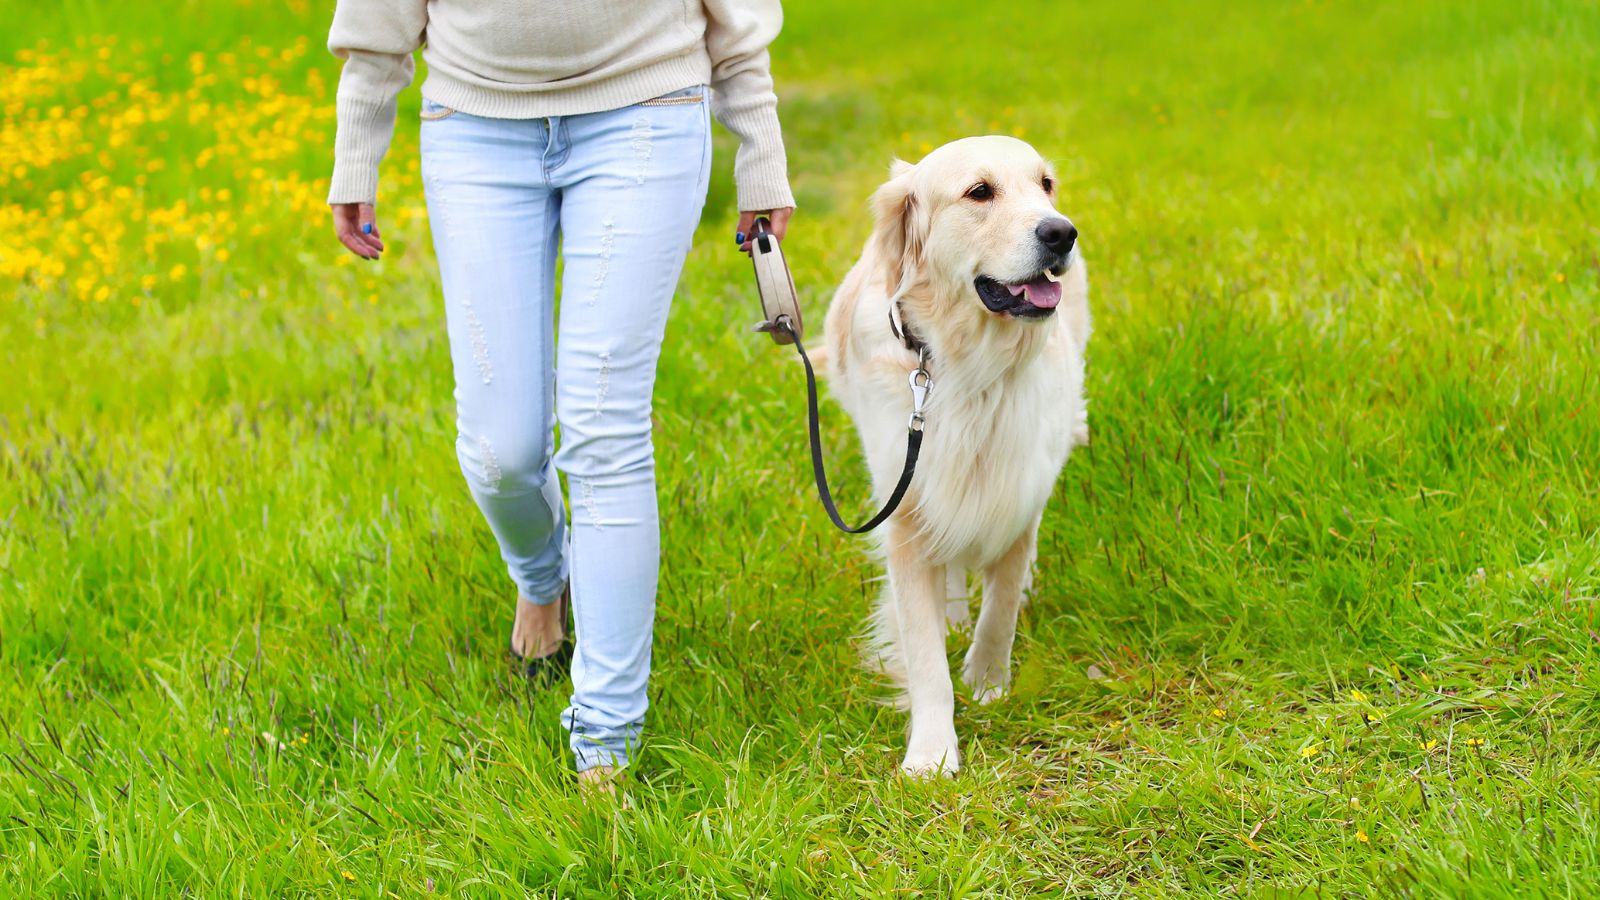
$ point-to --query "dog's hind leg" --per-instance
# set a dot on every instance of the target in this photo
(988, 668)
(918, 589)
(956, 610)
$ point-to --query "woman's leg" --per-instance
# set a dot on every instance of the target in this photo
(633, 184)
(494, 217)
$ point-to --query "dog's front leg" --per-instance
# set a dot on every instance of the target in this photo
(988, 668)
(919, 588)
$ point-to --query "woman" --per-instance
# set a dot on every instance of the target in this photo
(584, 123)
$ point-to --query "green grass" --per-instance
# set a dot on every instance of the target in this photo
(1314, 615)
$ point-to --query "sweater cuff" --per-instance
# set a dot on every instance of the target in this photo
(361, 140)
(353, 183)
(761, 166)
(765, 191)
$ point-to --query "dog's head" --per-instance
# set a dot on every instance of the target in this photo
(973, 229)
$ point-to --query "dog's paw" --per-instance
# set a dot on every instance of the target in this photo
(987, 679)
(928, 756)
(989, 695)
(930, 768)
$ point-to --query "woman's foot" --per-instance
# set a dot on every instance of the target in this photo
(539, 647)
(538, 630)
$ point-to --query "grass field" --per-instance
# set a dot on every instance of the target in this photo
(1315, 614)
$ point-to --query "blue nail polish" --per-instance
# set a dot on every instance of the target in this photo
(738, 237)
(367, 228)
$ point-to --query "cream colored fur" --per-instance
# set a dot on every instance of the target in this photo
(1006, 408)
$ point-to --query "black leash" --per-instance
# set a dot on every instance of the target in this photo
(780, 307)
(921, 383)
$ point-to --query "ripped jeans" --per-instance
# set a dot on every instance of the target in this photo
(622, 192)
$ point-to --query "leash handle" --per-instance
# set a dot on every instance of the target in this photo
(920, 384)
(774, 284)
(761, 227)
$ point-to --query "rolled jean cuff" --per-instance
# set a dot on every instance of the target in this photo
(543, 593)
(601, 746)
(545, 586)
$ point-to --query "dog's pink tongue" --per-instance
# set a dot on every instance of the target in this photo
(1042, 292)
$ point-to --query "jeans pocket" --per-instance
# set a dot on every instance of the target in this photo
(689, 96)
(432, 111)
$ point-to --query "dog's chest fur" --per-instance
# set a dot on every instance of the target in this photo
(992, 453)
(995, 440)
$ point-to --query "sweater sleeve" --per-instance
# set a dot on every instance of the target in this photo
(375, 38)
(737, 35)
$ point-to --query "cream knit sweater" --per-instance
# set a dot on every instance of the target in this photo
(520, 59)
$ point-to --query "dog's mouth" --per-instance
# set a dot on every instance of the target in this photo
(1033, 298)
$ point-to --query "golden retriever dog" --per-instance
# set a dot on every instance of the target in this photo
(970, 262)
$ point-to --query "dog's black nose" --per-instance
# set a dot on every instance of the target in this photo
(1057, 234)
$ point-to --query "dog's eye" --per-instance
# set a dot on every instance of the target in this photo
(1049, 184)
(981, 192)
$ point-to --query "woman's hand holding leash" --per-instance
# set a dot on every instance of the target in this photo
(356, 224)
(778, 224)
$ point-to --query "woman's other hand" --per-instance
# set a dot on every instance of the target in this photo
(747, 223)
(356, 224)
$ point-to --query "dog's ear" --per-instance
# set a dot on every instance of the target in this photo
(900, 229)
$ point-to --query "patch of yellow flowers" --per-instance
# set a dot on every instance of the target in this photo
(117, 186)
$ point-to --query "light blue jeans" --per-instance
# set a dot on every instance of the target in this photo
(621, 191)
